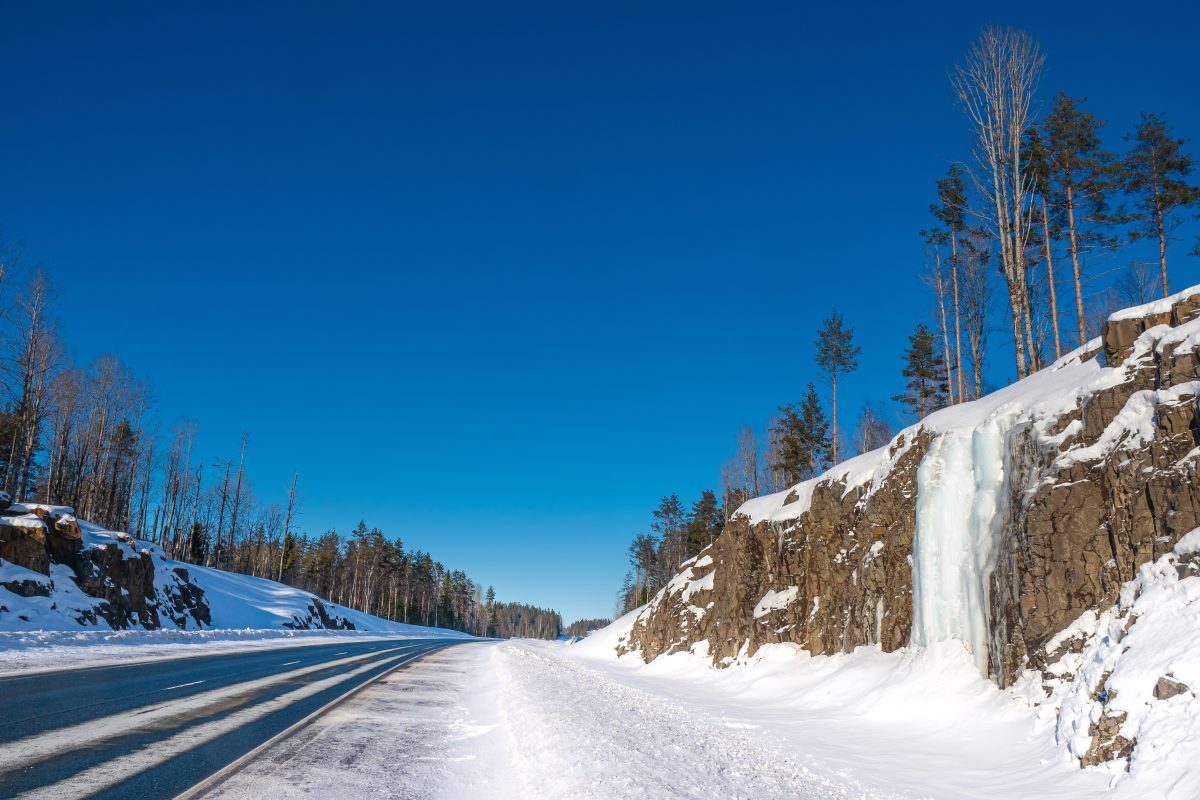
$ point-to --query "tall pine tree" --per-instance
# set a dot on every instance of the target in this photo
(1081, 178)
(1155, 172)
(704, 524)
(803, 437)
(837, 355)
(926, 389)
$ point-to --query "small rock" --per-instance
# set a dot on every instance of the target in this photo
(1168, 687)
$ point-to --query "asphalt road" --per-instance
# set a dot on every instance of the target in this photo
(154, 729)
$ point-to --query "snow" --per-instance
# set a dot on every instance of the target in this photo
(1153, 632)
(773, 601)
(918, 723)
(1161, 306)
(923, 721)
(432, 728)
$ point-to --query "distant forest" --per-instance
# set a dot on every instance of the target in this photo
(1029, 238)
(583, 627)
(85, 437)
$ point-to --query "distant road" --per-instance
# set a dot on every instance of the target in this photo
(154, 729)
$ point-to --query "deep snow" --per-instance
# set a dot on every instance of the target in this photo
(920, 722)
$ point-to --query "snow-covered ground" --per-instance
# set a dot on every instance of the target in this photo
(542, 720)
(920, 723)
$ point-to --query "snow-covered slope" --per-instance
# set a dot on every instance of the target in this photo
(76, 576)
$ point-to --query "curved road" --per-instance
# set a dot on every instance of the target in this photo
(154, 729)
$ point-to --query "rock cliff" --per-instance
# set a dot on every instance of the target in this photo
(997, 522)
(57, 573)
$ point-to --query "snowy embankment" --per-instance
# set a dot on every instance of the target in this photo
(923, 722)
(49, 621)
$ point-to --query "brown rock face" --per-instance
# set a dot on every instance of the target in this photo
(1082, 528)
(124, 581)
(117, 577)
(1119, 334)
(24, 544)
(1089, 496)
(844, 562)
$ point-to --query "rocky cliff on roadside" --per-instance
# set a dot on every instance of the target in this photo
(998, 521)
(58, 573)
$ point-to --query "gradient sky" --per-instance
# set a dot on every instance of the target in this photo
(496, 277)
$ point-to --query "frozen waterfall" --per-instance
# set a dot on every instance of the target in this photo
(960, 490)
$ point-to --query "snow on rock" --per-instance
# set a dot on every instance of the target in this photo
(773, 601)
(58, 573)
(1120, 680)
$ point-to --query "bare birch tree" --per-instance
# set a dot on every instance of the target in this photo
(995, 83)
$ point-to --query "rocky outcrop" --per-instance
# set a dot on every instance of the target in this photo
(1083, 525)
(1099, 477)
(318, 616)
(57, 573)
(837, 576)
(116, 577)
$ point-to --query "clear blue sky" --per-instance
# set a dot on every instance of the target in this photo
(495, 277)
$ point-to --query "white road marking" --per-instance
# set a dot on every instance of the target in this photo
(341, 653)
(288, 664)
(193, 683)
(60, 740)
(114, 771)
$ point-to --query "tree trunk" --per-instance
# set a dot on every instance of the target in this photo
(957, 324)
(1079, 318)
(1162, 233)
(1050, 279)
(835, 417)
(941, 298)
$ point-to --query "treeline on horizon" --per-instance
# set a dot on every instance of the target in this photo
(1029, 235)
(86, 437)
(583, 627)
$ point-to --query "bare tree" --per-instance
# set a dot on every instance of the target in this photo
(748, 463)
(293, 508)
(872, 431)
(237, 494)
(975, 272)
(995, 83)
(35, 357)
(1136, 285)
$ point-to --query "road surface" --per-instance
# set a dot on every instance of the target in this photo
(154, 729)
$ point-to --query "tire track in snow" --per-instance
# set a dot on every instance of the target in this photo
(583, 735)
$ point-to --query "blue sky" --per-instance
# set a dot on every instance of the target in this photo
(497, 277)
